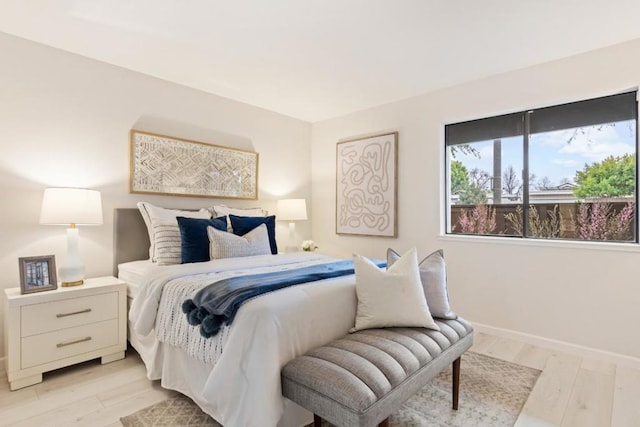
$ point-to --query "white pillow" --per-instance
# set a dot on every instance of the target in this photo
(222, 210)
(223, 244)
(153, 215)
(433, 274)
(392, 298)
(168, 243)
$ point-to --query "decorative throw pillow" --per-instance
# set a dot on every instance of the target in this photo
(243, 224)
(433, 274)
(194, 238)
(228, 245)
(222, 210)
(392, 298)
(155, 215)
(167, 243)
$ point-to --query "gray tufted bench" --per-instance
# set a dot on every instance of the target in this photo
(364, 377)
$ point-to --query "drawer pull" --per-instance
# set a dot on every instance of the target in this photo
(64, 344)
(86, 310)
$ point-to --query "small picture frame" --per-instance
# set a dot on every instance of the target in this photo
(37, 274)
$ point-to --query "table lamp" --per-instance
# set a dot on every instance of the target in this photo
(292, 210)
(71, 207)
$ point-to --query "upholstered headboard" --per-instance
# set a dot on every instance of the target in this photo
(130, 237)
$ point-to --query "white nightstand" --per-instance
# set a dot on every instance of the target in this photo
(52, 329)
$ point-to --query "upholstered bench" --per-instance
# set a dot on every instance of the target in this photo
(364, 377)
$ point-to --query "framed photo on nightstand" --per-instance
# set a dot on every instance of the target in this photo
(37, 274)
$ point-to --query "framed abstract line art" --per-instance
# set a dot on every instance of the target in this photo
(162, 164)
(366, 186)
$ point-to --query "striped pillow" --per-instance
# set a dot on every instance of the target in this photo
(168, 243)
(154, 215)
(227, 245)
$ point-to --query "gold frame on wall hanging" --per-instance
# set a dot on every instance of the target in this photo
(167, 165)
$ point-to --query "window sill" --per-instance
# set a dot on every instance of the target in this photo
(544, 243)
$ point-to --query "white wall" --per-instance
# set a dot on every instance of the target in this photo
(585, 295)
(65, 121)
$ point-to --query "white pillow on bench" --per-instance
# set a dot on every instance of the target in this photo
(392, 298)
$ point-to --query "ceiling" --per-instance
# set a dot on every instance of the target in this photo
(317, 59)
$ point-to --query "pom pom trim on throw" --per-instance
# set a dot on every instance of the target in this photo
(188, 306)
(194, 314)
(210, 325)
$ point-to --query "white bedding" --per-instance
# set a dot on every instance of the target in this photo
(240, 386)
(134, 273)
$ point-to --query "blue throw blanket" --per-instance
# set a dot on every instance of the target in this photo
(219, 302)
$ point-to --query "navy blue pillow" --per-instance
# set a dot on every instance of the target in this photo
(195, 241)
(243, 224)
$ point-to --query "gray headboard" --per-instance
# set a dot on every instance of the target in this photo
(130, 237)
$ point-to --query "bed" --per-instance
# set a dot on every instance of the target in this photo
(234, 376)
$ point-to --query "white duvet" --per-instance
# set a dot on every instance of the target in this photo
(242, 384)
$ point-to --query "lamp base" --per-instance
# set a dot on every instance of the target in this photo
(71, 271)
(291, 247)
(70, 284)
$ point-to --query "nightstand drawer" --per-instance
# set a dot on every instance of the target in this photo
(56, 315)
(56, 345)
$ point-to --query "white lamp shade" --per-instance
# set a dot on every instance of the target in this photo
(292, 210)
(65, 206)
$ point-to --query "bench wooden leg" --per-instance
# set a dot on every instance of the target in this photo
(384, 423)
(456, 382)
(317, 421)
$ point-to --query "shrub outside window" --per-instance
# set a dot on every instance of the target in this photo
(561, 172)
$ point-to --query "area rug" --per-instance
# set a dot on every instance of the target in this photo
(492, 393)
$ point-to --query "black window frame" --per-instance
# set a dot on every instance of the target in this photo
(590, 112)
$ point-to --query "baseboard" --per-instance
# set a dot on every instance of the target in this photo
(566, 347)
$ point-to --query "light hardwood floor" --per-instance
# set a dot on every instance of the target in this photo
(572, 391)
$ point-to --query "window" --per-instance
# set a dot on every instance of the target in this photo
(561, 172)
